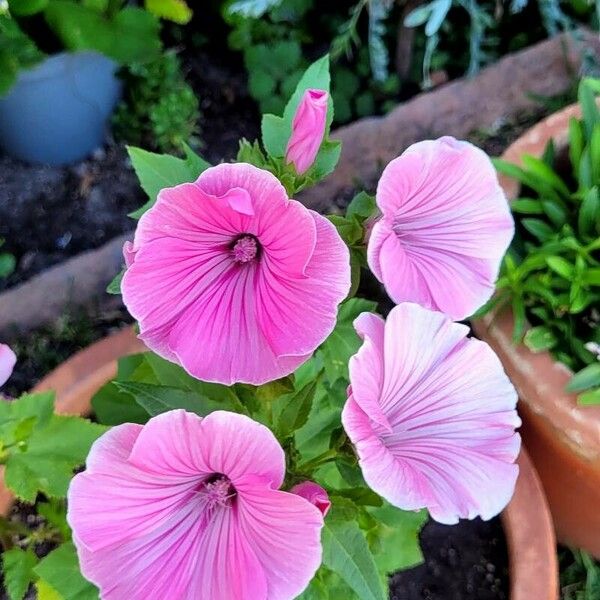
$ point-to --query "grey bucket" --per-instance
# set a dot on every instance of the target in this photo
(57, 112)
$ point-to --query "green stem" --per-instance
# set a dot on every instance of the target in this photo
(316, 462)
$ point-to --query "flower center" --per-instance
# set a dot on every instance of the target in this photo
(245, 249)
(217, 490)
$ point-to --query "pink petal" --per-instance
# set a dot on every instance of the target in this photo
(315, 494)
(181, 443)
(144, 527)
(308, 130)
(285, 531)
(288, 314)
(234, 296)
(451, 409)
(8, 360)
(445, 227)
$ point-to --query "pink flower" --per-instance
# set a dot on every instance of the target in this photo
(232, 279)
(7, 363)
(432, 415)
(188, 507)
(444, 229)
(315, 494)
(308, 129)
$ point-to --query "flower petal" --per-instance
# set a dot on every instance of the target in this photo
(285, 531)
(288, 314)
(445, 227)
(8, 360)
(452, 414)
(179, 442)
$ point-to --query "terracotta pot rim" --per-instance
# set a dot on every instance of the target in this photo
(526, 521)
(581, 430)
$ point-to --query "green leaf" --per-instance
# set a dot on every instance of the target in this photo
(60, 570)
(157, 399)
(589, 398)
(588, 220)
(131, 35)
(343, 342)
(45, 591)
(26, 8)
(346, 552)
(17, 566)
(361, 207)
(159, 171)
(540, 338)
(45, 462)
(527, 206)
(19, 417)
(585, 379)
(576, 143)
(560, 266)
(589, 109)
(113, 406)
(114, 287)
(543, 171)
(349, 230)
(295, 409)
(173, 10)
(541, 230)
(395, 540)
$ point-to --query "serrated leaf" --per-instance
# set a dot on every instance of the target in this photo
(585, 379)
(540, 338)
(346, 552)
(17, 567)
(395, 542)
(45, 591)
(47, 460)
(157, 399)
(60, 570)
(19, 417)
(361, 207)
(343, 342)
(159, 171)
(294, 409)
(349, 230)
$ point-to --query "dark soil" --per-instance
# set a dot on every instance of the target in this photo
(50, 214)
(45, 348)
(467, 561)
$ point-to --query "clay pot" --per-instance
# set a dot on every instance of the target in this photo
(526, 520)
(562, 438)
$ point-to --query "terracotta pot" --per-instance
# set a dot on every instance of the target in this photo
(562, 438)
(526, 520)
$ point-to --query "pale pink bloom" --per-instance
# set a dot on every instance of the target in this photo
(314, 493)
(432, 415)
(444, 229)
(187, 507)
(7, 363)
(233, 280)
(308, 129)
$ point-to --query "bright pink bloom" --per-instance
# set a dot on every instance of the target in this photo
(432, 415)
(187, 507)
(232, 279)
(308, 129)
(7, 363)
(444, 229)
(314, 493)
